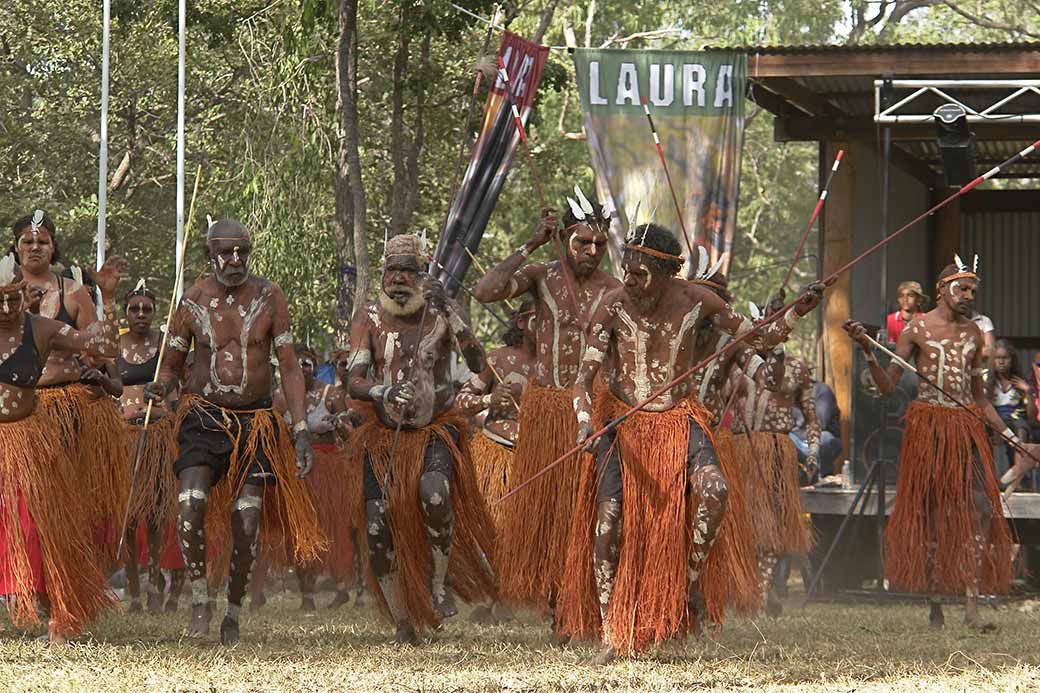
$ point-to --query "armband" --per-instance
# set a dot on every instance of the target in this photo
(377, 392)
(284, 339)
(584, 417)
(362, 357)
(299, 427)
(524, 251)
(791, 317)
(180, 344)
(1010, 436)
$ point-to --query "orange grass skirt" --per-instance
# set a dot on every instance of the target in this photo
(46, 545)
(492, 462)
(91, 430)
(287, 510)
(330, 486)
(474, 535)
(934, 506)
(649, 601)
(153, 499)
(535, 523)
(773, 499)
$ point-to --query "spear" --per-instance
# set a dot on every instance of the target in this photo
(968, 187)
(473, 296)
(480, 268)
(564, 267)
(667, 175)
(812, 220)
(177, 287)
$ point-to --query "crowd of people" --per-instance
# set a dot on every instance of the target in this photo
(624, 463)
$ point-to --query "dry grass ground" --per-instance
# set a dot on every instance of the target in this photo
(825, 647)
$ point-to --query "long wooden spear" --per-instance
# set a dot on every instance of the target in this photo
(668, 177)
(177, 288)
(777, 315)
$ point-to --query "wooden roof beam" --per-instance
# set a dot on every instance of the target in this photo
(812, 129)
(907, 61)
(799, 96)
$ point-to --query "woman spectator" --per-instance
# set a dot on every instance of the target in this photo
(1011, 396)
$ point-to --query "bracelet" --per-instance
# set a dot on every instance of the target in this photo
(524, 251)
(377, 392)
(299, 427)
(791, 317)
(1010, 436)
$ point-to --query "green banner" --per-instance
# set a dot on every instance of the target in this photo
(696, 100)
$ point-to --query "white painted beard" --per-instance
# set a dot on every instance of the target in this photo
(411, 306)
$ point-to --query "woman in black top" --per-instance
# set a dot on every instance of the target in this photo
(153, 503)
(47, 555)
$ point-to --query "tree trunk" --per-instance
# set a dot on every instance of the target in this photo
(351, 212)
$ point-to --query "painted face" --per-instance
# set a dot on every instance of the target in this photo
(342, 366)
(909, 301)
(35, 250)
(307, 365)
(1001, 361)
(638, 278)
(960, 295)
(586, 246)
(401, 279)
(230, 260)
(140, 311)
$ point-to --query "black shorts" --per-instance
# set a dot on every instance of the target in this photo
(436, 458)
(204, 442)
(699, 453)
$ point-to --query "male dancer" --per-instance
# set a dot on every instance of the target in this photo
(947, 533)
(658, 469)
(426, 521)
(533, 530)
(231, 443)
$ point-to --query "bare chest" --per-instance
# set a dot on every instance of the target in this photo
(220, 324)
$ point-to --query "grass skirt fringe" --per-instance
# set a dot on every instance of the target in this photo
(45, 546)
(90, 428)
(474, 535)
(492, 462)
(154, 496)
(935, 507)
(287, 510)
(649, 601)
(730, 578)
(330, 491)
(774, 502)
(535, 524)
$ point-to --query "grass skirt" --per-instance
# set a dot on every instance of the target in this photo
(287, 510)
(535, 523)
(774, 502)
(153, 499)
(330, 491)
(91, 430)
(474, 533)
(649, 601)
(45, 545)
(492, 462)
(935, 507)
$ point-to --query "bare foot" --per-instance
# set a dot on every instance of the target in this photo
(604, 657)
(342, 598)
(229, 632)
(698, 612)
(481, 615)
(307, 604)
(171, 605)
(54, 636)
(558, 639)
(405, 634)
(935, 616)
(201, 615)
(774, 607)
(154, 603)
(256, 603)
(445, 605)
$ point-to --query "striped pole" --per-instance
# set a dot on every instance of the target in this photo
(668, 177)
(828, 281)
(812, 219)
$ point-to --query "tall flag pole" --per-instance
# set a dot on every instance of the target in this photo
(106, 21)
(181, 33)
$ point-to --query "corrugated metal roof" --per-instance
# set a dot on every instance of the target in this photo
(887, 48)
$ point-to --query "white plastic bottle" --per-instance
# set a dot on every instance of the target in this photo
(846, 475)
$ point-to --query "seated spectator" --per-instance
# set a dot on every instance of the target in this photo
(830, 429)
(912, 300)
(1012, 398)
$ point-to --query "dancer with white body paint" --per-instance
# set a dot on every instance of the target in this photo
(233, 449)
(428, 533)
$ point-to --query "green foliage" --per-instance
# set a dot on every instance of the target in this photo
(262, 122)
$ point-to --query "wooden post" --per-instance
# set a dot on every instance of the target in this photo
(836, 227)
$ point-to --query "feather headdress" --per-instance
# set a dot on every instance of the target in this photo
(8, 274)
(583, 210)
(963, 272)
